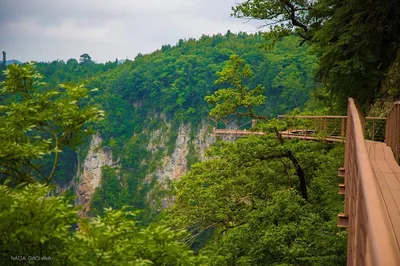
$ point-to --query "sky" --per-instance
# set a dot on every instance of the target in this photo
(47, 30)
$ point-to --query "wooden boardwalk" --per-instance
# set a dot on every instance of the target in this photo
(387, 174)
(371, 211)
(371, 181)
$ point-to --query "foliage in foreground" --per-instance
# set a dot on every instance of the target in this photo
(37, 123)
(34, 223)
(247, 193)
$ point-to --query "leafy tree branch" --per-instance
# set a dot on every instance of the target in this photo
(36, 121)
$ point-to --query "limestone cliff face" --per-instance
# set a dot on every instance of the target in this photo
(175, 165)
(159, 137)
(171, 165)
(90, 178)
(204, 139)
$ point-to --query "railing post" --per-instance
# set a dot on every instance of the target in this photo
(373, 129)
(342, 128)
(392, 136)
(396, 131)
(397, 117)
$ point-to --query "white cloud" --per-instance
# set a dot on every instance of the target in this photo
(45, 30)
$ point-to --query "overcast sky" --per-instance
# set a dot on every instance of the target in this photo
(46, 30)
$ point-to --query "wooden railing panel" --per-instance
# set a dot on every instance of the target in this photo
(393, 131)
(371, 239)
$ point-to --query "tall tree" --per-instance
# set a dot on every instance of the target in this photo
(358, 45)
(85, 59)
(243, 193)
(284, 17)
(4, 62)
(239, 101)
(357, 41)
(36, 121)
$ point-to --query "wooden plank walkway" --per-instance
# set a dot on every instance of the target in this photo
(387, 174)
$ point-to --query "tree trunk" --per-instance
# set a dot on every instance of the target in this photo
(299, 170)
(3, 64)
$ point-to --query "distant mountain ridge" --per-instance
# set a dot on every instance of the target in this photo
(12, 61)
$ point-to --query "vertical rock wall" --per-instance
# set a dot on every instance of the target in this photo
(171, 166)
(204, 139)
(90, 178)
(175, 165)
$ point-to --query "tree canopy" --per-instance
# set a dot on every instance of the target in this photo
(260, 196)
(357, 41)
(238, 100)
(36, 121)
(36, 227)
(246, 194)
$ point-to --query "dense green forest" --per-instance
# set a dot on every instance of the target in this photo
(260, 200)
(172, 81)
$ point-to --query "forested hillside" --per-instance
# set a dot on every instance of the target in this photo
(164, 91)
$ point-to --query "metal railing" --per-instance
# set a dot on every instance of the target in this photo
(235, 132)
(331, 126)
(393, 130)
(371, 240)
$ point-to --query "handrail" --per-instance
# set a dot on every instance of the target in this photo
(327, 116)
(371, 239)
(335, 125)
(392, 138)
(326, 127)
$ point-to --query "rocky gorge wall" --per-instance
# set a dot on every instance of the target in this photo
(171, 165)
(90, 177)
(174, 165)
